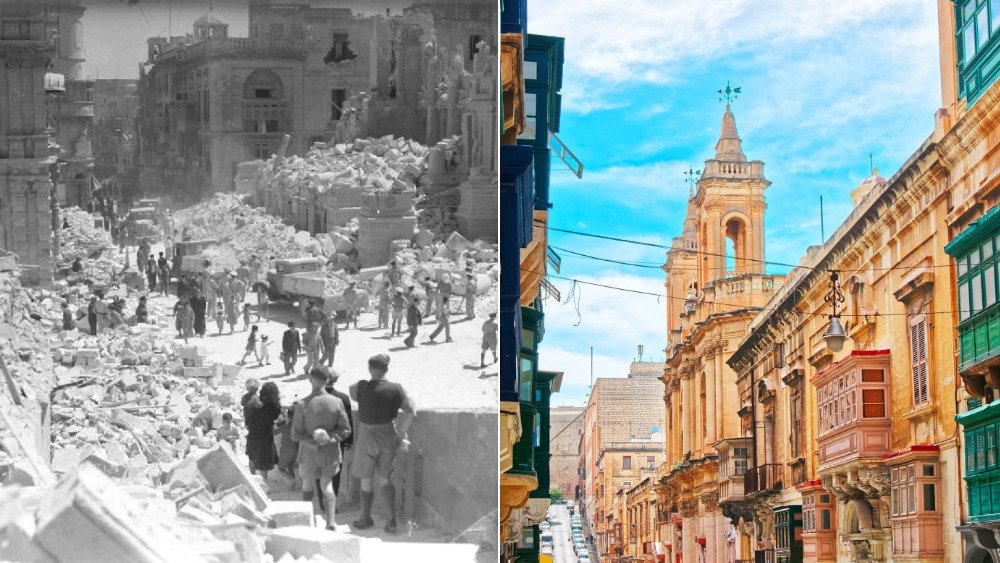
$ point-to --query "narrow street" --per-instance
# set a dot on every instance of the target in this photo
(562, 542)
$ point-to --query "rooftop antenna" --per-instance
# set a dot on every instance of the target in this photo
(871, 164)
(822, 230)
(591, 367)
(692, 179)
(639, 347)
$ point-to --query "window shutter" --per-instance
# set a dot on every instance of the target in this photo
(918, 361)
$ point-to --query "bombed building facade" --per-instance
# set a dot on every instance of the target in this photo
(210, 101)
(45, 112)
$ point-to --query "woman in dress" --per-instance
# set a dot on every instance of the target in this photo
(262, 413)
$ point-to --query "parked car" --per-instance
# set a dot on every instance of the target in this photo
(582, 559)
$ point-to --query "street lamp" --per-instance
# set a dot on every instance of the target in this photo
(834, 335)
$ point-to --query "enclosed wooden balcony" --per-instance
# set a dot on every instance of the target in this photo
(766, 478)
(854, 421)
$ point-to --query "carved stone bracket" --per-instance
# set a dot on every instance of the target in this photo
(873, 480)
(689, 507)
(710, 500)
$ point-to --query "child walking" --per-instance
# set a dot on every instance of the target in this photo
(251, 346)
(265, 353)
(246, 317)
(220, 319)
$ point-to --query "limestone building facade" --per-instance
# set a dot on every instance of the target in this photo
(42, 99)
(564, 447)
(622, 439)
(716, 283)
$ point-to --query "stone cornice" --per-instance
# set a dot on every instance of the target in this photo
(863, 221)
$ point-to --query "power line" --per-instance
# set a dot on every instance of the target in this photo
(723, 303)
(706, 253)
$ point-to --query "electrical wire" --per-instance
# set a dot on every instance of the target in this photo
(717, 303)
(715, 254)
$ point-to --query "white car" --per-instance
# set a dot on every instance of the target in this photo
(583, 559)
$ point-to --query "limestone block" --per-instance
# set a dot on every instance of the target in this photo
(290, 513)
(109, 468)
(305, 541)
(222, 470)
(249, 546)
(86, 518)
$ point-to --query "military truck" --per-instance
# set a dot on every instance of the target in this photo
(191, 256)
(305, 280)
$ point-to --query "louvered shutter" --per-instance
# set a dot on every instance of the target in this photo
(918, 361)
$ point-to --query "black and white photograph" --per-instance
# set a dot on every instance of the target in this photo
(249, 280)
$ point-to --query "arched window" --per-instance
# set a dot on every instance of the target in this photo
(263, 84)
(736, 250)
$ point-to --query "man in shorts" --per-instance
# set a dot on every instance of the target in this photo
(384, 415)
(319, 425)
(490, 329)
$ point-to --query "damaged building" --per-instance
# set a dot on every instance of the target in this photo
(45, 114)
(210, 102)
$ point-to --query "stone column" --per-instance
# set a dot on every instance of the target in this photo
(686, 414)
(712, 395)
(723, 392)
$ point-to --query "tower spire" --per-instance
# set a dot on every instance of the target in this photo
(729, 147)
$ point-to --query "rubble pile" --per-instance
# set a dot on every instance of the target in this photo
(136, 472)
(240, 229)
(437, 218)
(84, 239)
(383, 164)
(453, 259)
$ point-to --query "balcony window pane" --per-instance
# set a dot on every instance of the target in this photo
(994, 15)
(530, 130)
(824, 519)
(530, 70)
(911, 501)
(968, 9)
(990, 281)
(987, 249)
(969, 43)
(928, 470)
(963, 301)
(982, 28)
(872, 375)
(977, 294)
(974, 258)
(873, 403)
(930, 502)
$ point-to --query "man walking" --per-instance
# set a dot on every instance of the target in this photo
(470, 297)
(332, 377)
(383, 304)
(413, 320)
(350, 300)
(320, 425)
(490, 328)
(444, 323)
(291, 343)
(330, 336)
(398, 311)
(381, 431)
(311, 343)
(164, 266)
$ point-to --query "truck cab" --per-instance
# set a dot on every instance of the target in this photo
(188, 255)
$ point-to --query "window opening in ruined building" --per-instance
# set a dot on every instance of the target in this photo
(651, 462)
(337, 98)
(627, 462)
(474, 41)
(277, 30)
(261, 93)
(340, 49)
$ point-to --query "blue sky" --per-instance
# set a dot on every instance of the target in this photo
(824, 84)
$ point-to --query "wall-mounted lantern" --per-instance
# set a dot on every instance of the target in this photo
(834, 335)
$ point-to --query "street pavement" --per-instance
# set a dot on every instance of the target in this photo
(562, 541)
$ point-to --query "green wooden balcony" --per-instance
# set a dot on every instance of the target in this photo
(982, 470)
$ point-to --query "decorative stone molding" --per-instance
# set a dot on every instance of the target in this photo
(873, 480)
(710, 500)
(689, 507)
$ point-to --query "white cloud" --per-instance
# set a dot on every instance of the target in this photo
(635, 185)
(608, 44)
(612, 321)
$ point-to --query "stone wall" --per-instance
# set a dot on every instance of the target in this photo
(564, 465)
(448, 480)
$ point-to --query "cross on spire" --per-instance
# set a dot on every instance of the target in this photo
(728, 93)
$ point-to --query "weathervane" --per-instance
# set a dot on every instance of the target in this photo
(692, 179)
(729, 94)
